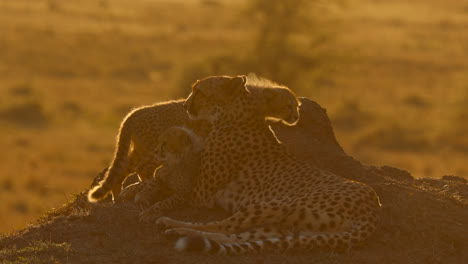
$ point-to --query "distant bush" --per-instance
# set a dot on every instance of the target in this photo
(274, 53)
(416, 100)
(104, 4)
(33, 184)
(21, 90)
(70, 110)
(29, 114)
(395, 137)
(20, 207)
(350, 116)
(130, 72)
(54, 6)
(454, 136)
(461, 113)
(7, 184)
(213, 3)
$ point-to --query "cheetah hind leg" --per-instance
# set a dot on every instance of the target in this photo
(144, 169)
(128, 193)
(137, 162)
(127, 166)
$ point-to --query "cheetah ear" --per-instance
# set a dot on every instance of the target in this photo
(236, 85)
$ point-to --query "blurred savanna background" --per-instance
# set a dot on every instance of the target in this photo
(393, 76)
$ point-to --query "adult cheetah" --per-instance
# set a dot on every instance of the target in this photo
(140, 129)
(277, 201)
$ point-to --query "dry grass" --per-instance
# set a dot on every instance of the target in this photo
(393, 78)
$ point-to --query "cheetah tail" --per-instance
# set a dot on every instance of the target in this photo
(98, 192)
(117, 168)
(201, 244)
(343, 240)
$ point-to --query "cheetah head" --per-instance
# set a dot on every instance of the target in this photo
(173, 144)
(212, 95)
(281, 104)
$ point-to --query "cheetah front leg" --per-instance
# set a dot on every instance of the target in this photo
(156, 211)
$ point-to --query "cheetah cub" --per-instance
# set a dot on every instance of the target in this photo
(179, 148)
(141, 128)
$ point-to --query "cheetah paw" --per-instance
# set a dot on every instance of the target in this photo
(162, 222)
(149, 216)
(171, 234)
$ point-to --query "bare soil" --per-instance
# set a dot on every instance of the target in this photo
(423, 220)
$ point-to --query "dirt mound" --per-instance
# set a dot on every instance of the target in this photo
(423, 220)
